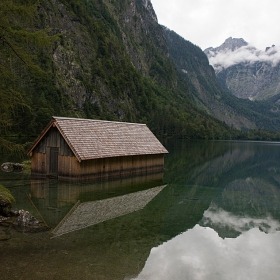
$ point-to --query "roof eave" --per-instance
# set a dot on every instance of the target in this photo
(39, 138)
(43, 133)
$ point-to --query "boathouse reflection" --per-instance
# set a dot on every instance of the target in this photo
(55, 199)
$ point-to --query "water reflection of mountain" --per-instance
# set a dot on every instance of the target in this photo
(229, 225)
(214, 163)
(244, 176)
(231, 193)
(252, 197)
(242, 205)
(205, 162)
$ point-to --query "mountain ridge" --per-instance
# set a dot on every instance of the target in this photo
(201, 79)
(229, 44)
(96, 59)
(103, 59)
(246, 71)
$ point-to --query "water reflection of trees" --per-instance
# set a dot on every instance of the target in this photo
(54, 199)
(244, 175)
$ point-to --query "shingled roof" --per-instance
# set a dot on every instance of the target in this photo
(92, 139)
(93, 212)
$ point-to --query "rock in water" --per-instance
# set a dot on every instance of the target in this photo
(27, 223)
(10, 166)
(25, 219)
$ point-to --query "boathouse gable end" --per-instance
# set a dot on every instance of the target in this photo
(53, 139)
(75, 148)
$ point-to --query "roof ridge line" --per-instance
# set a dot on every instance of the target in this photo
(68, 142)
(93, 120)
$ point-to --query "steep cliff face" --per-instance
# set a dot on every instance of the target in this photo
(140, 31)
(91, 54)
(73, 54)
(143, 39)
(103, 59)
(205, 90)
(246, 71)
(110, 59)
(256, 81)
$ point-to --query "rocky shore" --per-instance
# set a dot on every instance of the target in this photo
(10, 166)
(20, 220)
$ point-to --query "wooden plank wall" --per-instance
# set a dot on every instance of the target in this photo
(104, 168)
(108, 168)
(38, 163)
(68, 166)
(40, 157)
(53, 139)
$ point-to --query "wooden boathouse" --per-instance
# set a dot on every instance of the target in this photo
(73, 148)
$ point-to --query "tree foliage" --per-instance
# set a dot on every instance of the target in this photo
(79, 58)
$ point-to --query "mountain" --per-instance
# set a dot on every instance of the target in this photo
(204, 88)
(210, 96)
(246, 71)
(111, 60)
(230, 44)
(99, 59)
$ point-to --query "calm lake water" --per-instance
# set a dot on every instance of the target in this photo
(213, 214)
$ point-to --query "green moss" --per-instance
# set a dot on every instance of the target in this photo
(27, 166)
(6, 200)
(6, 195)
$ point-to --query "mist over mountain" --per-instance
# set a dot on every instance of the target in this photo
(204, 87)
(245, 70)
(214, 98)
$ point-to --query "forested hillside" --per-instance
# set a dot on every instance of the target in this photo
(218, 101)
(101, 59)
(203, 85)
(91, 59)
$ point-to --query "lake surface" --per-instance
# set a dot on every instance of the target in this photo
(213, 214)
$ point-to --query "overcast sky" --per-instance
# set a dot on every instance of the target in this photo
(207, 23)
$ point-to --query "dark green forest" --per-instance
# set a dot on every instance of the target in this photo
(102, 60)
(264, 114)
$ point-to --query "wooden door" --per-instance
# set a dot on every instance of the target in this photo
(53, 163)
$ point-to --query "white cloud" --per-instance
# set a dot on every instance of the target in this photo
(223, 219)
(200, 253)
(246, 54)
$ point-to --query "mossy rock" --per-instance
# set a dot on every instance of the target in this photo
(6, 200)
(10, 166)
